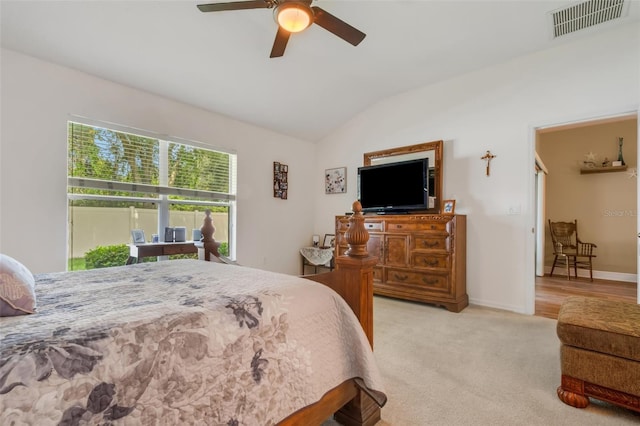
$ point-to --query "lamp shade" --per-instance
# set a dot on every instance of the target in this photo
(293, 17)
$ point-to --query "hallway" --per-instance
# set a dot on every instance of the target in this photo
(550, 292)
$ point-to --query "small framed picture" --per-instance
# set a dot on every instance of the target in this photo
(280, 180)
(448, 206)
(335, 181)
(329, 241)
(138, 236)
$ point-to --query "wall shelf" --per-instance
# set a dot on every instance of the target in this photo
(587, 170)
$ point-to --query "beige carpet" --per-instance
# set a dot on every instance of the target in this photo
(478, 367)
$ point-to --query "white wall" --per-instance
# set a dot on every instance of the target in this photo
(496, 109)
(493, 109)
(37, 100)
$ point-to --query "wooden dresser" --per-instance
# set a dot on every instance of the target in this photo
(420, 257)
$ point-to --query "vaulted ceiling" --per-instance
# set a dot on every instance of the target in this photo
(220, 61)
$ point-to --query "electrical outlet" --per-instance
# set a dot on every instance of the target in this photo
(514, 210)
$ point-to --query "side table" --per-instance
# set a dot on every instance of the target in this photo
(317, 257)
(136, 251)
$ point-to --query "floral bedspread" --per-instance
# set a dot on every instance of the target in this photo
(177, 342)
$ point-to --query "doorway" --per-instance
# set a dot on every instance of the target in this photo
(605, 204)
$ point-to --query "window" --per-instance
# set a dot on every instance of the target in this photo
(119, 180)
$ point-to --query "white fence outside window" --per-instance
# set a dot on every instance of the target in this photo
(103, 226)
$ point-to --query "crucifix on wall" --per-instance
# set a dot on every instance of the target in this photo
(488, 156)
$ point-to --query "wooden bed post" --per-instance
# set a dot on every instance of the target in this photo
(353, 277)
(353, 280)
(357, 268)
(208, 246)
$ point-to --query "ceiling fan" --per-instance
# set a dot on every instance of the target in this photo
(293, 16)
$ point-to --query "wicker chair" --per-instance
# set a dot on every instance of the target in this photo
(569, 250)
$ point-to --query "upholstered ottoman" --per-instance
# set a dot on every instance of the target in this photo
(600, 352)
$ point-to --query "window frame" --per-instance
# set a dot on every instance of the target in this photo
(163, 201)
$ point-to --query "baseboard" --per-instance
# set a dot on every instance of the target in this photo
(601, 275)
(493, 305)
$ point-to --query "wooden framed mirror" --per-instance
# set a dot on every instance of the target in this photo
(431, 150)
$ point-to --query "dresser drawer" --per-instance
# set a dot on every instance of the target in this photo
(374, 225)
(430, 242)
(423, 280)
(430, 260)
(416, 226)
(343, 225)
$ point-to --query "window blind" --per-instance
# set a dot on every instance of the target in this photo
(117, 163)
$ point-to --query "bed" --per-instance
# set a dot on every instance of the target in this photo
(195, 342)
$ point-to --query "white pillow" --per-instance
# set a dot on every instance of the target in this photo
(17, 288)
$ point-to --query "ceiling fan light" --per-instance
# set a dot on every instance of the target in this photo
(293, 17)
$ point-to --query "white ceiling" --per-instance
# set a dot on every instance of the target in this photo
(220, 61)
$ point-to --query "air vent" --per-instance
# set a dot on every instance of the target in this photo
(586, 15)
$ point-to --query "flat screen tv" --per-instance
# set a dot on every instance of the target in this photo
(394, 187)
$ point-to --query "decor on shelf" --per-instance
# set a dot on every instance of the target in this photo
(335, 180)
(138, 236)
(180, 234)
(329, 241)
(620, 140)
(590, 160)
(316, 240)
(592, 165)
(448, 206)
(280, 180)
(168, 234)
(488, 156)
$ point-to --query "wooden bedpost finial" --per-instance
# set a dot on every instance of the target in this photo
(207, 228)
(357, 236)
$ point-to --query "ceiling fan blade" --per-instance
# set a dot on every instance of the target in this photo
(235, 5)
(337, 26)
(280, 43)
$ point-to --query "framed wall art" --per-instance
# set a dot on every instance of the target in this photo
(280, 180)
(335, 180)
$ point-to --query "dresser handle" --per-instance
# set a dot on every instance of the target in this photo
(430, 244)
(428, 281)
(401, 278)
(430, 262)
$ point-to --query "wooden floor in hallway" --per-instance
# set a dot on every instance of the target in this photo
(551, 291)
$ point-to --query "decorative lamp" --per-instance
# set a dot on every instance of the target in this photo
(293, 17)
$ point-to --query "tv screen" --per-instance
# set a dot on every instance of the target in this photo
(394, 187)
